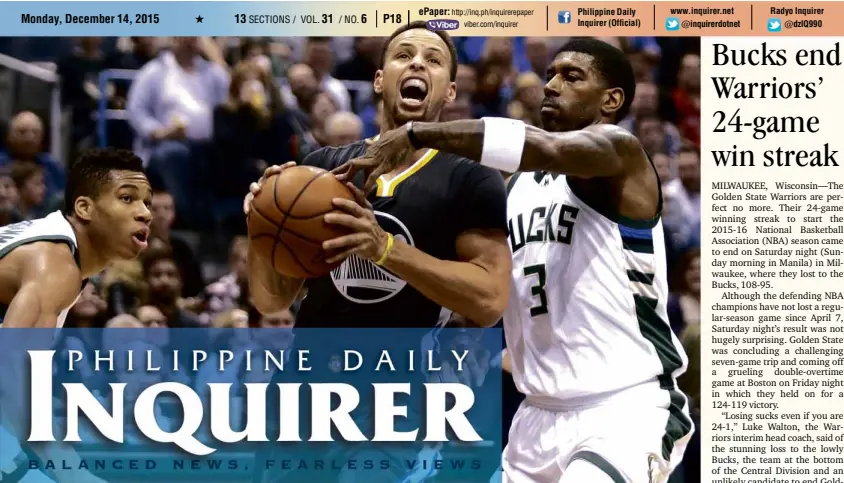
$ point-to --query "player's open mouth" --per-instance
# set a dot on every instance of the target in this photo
(141, 237)
(413, 91)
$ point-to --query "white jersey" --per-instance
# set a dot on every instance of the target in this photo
(587, 311)
(53, 228)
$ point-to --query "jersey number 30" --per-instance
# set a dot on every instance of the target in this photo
(538, 289)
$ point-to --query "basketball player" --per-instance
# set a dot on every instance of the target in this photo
(434, 235)
(586, 326)
(44, 264)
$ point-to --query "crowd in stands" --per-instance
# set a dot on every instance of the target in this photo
(207, 115)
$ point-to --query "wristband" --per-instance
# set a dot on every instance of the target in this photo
(504, 141)
(387, 250)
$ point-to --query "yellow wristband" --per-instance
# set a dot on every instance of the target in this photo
(386, 250)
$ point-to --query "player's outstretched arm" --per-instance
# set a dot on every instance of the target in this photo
(507, 145)
(597, 151)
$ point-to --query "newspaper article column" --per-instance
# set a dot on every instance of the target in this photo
(772, 209)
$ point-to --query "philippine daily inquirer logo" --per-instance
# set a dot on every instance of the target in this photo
(364, 282)
(445, 404)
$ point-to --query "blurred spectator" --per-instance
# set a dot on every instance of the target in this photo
(8, 197)
(252, 48)
(25, 143)
(123, 287)
(538, 55)
(322, 108)
(646, 105)
(277, 320)
(687, 98)
(371, 117)
(490, 98)
(143, 50)
(678, 214)
(170, 107)
(301, 87)
(466, 80)
(164, 282)
(527, 99)
(459, 108)
(651, 133)
(151, 317)
(498, 52)
(364, 63)
(343, 128)
(644, 54)
(163, 215)
(122, 321)
(29, 181)
(684, 302)
(688, 170)
(88, 310)
(662, 165)
(231, 290)
(251, 131)
(79, 73)
(231, 319)
(298, 95)
(320, 58)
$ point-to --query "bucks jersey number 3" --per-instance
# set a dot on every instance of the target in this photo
(537, 289)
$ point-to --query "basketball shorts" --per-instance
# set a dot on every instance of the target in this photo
(635, 436)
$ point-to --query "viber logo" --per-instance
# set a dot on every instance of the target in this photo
(443, 24)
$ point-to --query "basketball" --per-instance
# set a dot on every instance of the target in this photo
(286, 222)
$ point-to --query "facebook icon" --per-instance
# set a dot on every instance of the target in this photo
(564, 17)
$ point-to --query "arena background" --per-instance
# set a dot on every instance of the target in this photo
(255, 102)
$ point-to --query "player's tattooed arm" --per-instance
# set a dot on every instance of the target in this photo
(271, 291)
(49, 283)
(597, 151)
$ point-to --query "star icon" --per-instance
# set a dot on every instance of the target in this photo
(199, 19)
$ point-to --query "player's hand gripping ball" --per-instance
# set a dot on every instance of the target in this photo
(286, 219)
(367, 240)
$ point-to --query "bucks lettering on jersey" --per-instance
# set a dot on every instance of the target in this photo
(52, 228)
(587, 311)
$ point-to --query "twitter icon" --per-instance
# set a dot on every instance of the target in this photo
(774, 25)
(672, 23)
